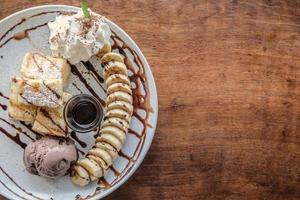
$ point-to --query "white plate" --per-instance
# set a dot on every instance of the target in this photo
(15, 181)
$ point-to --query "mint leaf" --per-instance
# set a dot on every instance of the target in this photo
(85, 9)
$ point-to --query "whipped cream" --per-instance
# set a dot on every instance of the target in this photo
(77, 39)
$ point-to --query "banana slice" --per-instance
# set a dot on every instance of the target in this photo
(118, 133)
(117, 122)
(114, 67)
(79, 175)
(101, 153)
(107, 147)
(91, 166)
(105, 49)
(110, 139)
(117, 78)
(112, 56)
(119, 87)
(93, 178)
(120, 114)
(120, 105)
(100, 162)
(119, 96)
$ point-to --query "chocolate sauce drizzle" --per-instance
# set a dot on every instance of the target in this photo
(16, 139)
(91, 68)
(25, 32)
(29, 127)
(77, 88)
(11, 190)
(77, 73)
(114, 171)
(80, 142)
(12, 180)
(3, 96)
(17, 129)
(140, 100)
(44, 57)
(94, 73)
(4, 107)
(88, 65)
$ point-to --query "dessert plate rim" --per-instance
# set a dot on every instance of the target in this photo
(153, 96)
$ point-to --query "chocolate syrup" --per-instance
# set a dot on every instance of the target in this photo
(29, 126)
(16, 139)
(77, 73)
(12, 191)
(12, 180)
(21, 35)
(27, 30)
(88, 65)
(91, 68)
(17, 128)
(77, 88)
(84, 112)
(80, 142)
(4, 107)
(2, 95)
(116, 173)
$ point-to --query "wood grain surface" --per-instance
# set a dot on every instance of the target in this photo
(228, 79)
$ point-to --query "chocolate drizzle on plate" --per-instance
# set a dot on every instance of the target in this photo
(77, 88)
(80, 142)
(77, 73)
(24, 33)
(16, 184)
(4, 107)
(116, 172)
(4, 185)
(3, 96)
(94, 73)
(29, 127)
(16, 139)
(89, 66)
(18, 129)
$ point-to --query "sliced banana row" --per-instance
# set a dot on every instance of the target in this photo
(114, 128)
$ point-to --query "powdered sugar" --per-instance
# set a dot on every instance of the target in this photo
(41, 67)
(43, 97)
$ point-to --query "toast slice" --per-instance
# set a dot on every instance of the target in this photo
(25, 113)
(19, 112)
(50, 121)
(40, 66)
(43, 93)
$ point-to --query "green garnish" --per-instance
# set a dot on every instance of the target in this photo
(85, 9)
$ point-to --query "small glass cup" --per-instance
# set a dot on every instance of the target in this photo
(83, 113)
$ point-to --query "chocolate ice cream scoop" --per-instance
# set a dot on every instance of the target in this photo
(49, 157)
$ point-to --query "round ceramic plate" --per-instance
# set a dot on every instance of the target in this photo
(15, 181)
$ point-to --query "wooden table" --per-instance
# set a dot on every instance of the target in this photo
(227, 74)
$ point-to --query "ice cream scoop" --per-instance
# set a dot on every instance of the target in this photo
(50, 157)
(77, 38)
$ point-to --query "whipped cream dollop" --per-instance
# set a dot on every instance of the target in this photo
(76, 38)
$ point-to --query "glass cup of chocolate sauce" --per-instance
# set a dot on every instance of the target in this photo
(83, 113)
